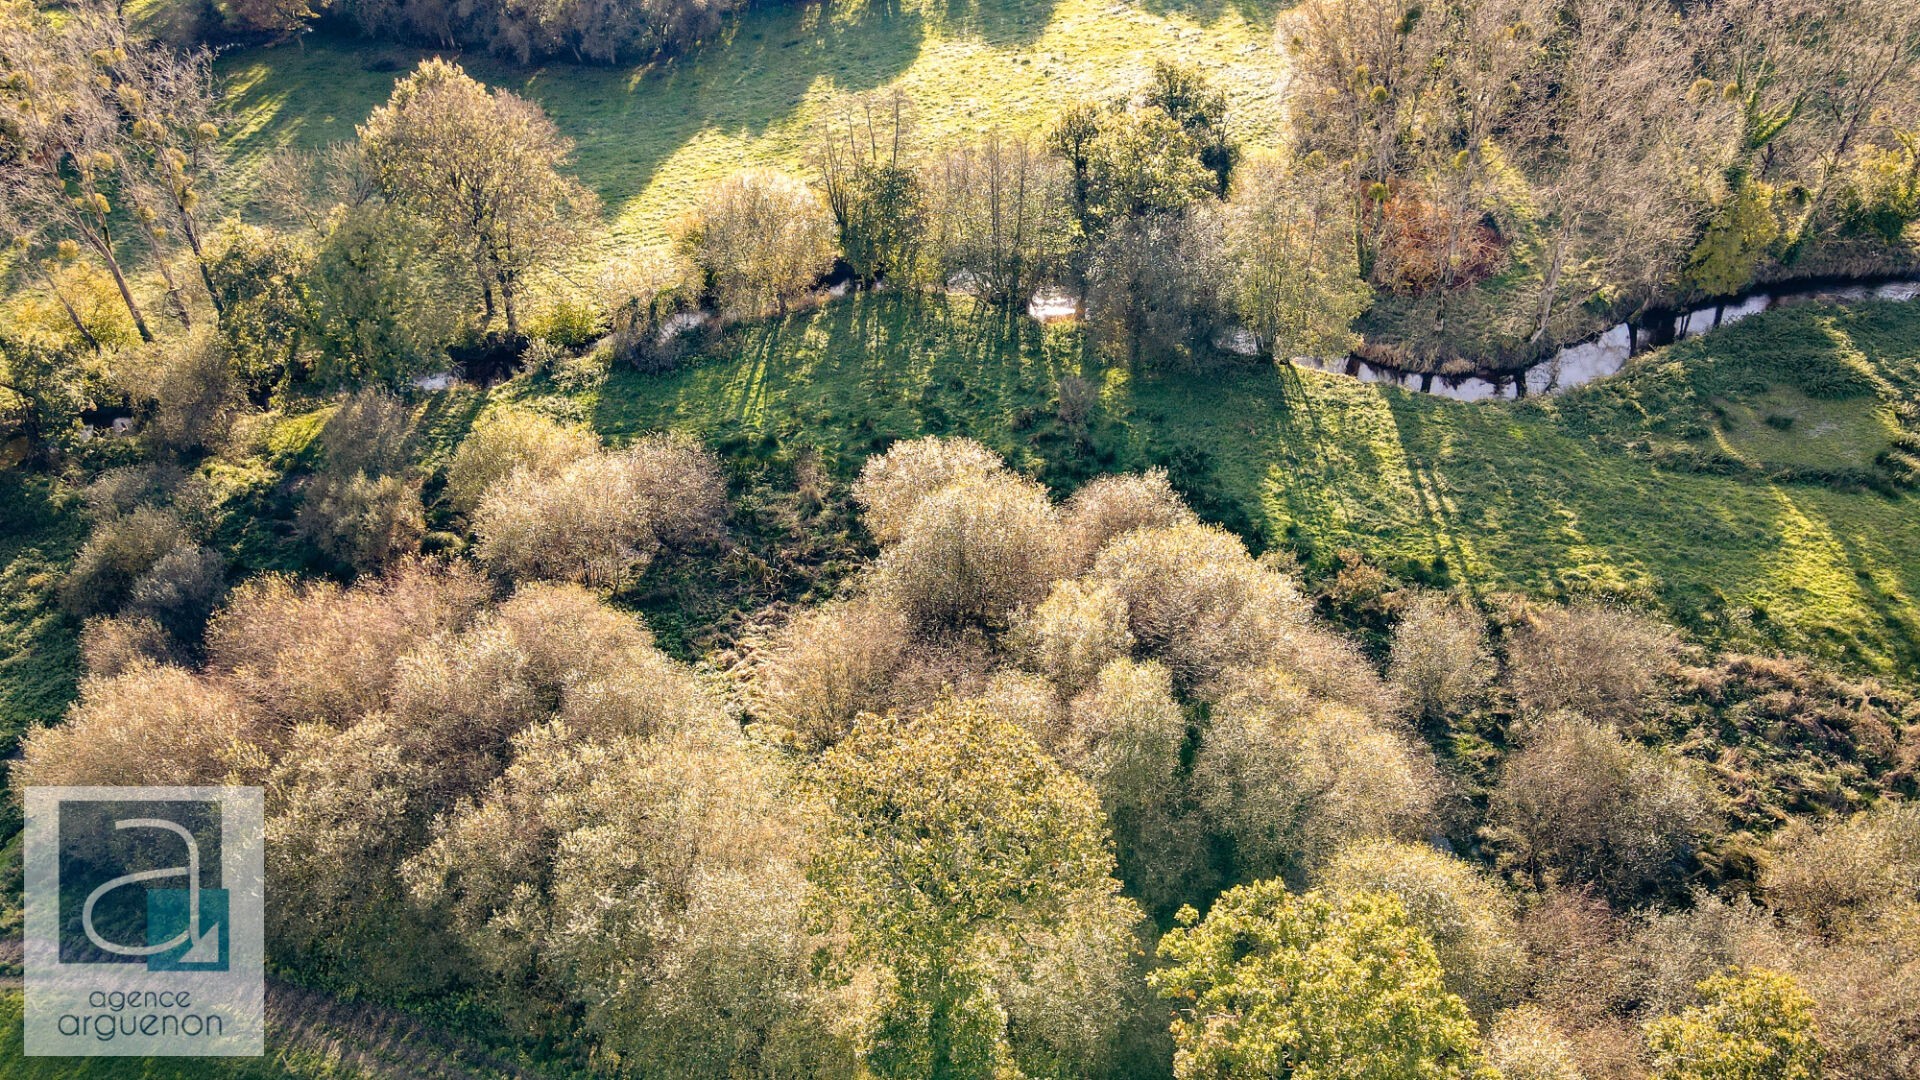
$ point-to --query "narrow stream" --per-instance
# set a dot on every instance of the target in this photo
(1595, 358)
(1607, 353)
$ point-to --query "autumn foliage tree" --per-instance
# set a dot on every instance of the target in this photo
(482, 169)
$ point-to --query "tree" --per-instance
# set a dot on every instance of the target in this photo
(871, 187)
(1614, 214)
(1296, 284)
(957, 857)
(65, 136)
(1183, 92)
(1750, 1025)
(482, 169)
(998, 216)
(41, 388)
(1274, 984)
(379, 307)
(761, 238)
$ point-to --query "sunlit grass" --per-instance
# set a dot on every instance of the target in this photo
(1582, 495)
(651, 138)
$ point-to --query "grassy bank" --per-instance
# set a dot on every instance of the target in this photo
(1727, 481)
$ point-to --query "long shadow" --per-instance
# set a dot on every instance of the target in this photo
(626, 122)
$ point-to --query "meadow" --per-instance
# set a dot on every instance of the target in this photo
(651, 138)
(1665, 485)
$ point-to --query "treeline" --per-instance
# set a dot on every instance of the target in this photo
(586, 33)
(1062, 789)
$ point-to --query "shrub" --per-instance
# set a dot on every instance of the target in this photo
(1072, 634)
(1579, 803)
(146, 726)
(1440, 663)
(1291, 781)
(1600, 661)
(1113, 506)
(360, 508)
(653, 884)
(894, 483)
(116, 644)
(761, 238)
(119, 551)
(317, 653)
(1125, 735)
(680, 479)
(1835, 873)
(509, 438)
(828, 666)
(1197, 602)
(1469, 918)
(973, 552)
(601, 518)
(1525, 1044)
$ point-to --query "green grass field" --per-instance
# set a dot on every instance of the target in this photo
(651, 138)
(1653, 486)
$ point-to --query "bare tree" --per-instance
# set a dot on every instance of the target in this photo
(1605, 177)
(999, 215)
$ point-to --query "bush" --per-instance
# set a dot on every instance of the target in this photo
(116, 644)
(1524, 1044)
(1581, 804)
(360, 509)
(146, 726)
(509, 438)
(894, 483)
(1440, 663)
(601, 518)
(1197, 602)
(973, 553)
(761, 238)
(1292, 781)
(680, 479)
(667, 900)
(1071, 635)
(1600, 661)
(1125, 736)
(1113, 506)
(1748, 1024)
(118, 553)
(317, 653)
(1836, 873)
(1469, 918)
(828, 666)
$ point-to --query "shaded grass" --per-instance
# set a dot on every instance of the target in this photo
(651, 138)
(39, 648)
(1586, 495)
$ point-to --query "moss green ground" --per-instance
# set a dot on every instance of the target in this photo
(651, 138)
